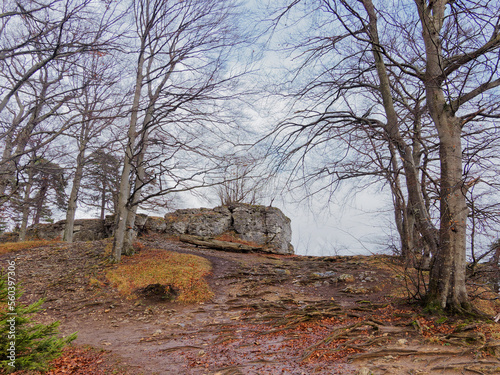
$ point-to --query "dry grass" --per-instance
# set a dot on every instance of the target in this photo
(183, 272)
(9, 247)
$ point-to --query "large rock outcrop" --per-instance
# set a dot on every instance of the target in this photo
(257, 226)
(84, 230)
(202, 222)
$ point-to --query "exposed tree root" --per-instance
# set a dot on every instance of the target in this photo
(349, 338)
(232, 370)
(291, 315)
(477, 367)
(462, 338)
(183, 347)
(403, 352)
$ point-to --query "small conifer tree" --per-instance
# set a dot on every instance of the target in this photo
(24, 344)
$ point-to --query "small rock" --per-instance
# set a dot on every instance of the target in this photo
(365, 276)
(323, 274)
(158, 332)
(282, 271)
(364, 371)
(355, 289)
(402, 342)
(346, 278)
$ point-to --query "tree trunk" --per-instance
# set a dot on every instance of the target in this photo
(447, 284)
(7, 170)
(72, 203)
(24, 223)
(416, 204)
(123, 205)
(26, 206)
(122, 212)
(402, 216)
(39, 201)
(447, 288)
(221, 245)
(131, 233)
(11, 158)
(7, 167)
(103, 200)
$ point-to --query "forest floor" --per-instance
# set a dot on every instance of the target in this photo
(270, 314)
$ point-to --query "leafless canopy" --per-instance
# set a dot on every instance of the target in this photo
(392, 91)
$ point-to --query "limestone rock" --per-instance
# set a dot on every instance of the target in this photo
(346, 278)
(353, 289)
(364, 371)
(109, 226)
(323, 274)
(83, 230)
(210, 223)
(198, 222)
(140, 221)
(87, 229)
(46, 231)
(155, 224)
(251, 225)
(249, 222)
(257, 225)
(263, 225)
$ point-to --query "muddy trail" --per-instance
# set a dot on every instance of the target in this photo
(269, 315)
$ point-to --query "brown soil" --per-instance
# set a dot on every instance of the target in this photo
(270, 315)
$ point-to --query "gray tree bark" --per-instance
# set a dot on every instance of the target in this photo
(416, 204)
(26, 205)
(447, 283)
(131, 233)
(124, 193)
(75, 188)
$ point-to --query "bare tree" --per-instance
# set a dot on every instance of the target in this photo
(42, 99)
(41, 188)
(101, 181)
(97, 106)
(244, 181)
(460, 80)
(376, 65)
(51, 30)
(181, 52)
(41, 44)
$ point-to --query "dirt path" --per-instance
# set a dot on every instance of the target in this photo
(269, 315)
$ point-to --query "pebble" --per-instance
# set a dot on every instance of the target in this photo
(364, 371)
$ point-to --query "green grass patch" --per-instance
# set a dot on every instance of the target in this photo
(9, 247)
(183, 272)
